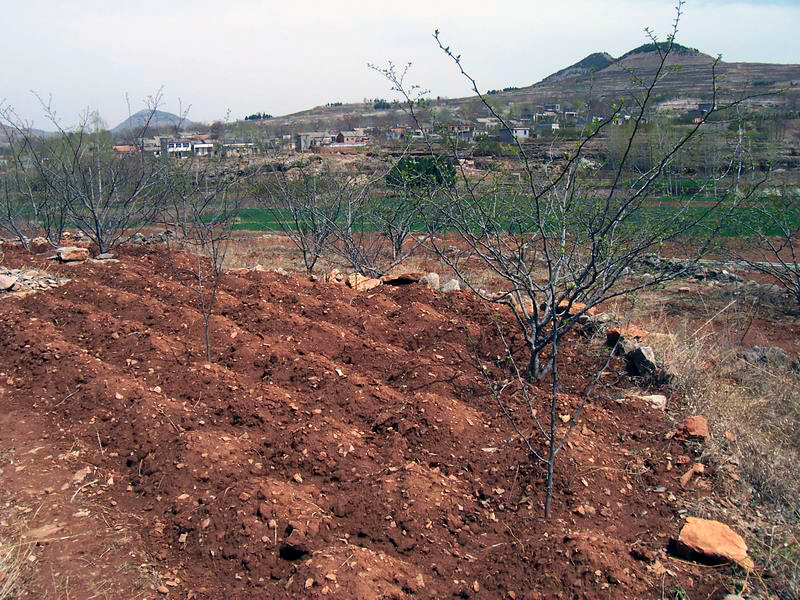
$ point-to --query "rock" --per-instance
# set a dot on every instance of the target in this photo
(451, 286)
(72, 254)
(575, 308)
(625, 346)
(104, 256)
(642, 361)
(39, 245)
(695, 427)
(80, 475)
(770, 356)
(594, 325)
(281, 271)
(7, 282)
(713, 540)
(431, 280)
(335, 276)
(696, 468)
(657, 401)
(361, 283)
(403, 278)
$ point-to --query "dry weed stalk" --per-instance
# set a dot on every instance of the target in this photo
(13, 558)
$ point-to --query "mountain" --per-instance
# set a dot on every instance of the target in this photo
(591, 64)
(157, 119)
(643, 59)
(8, 134)
(598, 79)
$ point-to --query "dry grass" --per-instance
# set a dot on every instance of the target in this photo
(753, 410)
(13, 560)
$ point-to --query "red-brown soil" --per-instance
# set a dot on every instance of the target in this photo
(334, 448)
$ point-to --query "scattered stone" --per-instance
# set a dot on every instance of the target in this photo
(7, 282)
(335, 276)
(713, 540)
(657, 401)
(574, 309)
(362, 283)
(431, 280)
(593, 325)
(642, 361)
(80, 475)
(695, 468)
(72, 254)
(104, 256)
(40, 245)
(451, 286)
(281, 271)
(695, 427)
(768, 356)
(164, 237)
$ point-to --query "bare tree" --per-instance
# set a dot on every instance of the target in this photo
(560, 242)
(28, 208)
(202, 198)
(303, 202)
(771, 223)
(105, 194)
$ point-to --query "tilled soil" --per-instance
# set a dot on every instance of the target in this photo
(341, 444)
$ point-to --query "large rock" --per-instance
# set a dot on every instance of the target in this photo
(713, 540)
(361, 283)
(72, 254)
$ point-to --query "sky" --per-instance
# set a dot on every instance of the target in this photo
(225, 60)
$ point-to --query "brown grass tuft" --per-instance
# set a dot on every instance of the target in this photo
(13, 557)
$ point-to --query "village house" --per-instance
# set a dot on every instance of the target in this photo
(351, 138)
(508, 135)
(234, 149)
(311, 139)
(489, 123)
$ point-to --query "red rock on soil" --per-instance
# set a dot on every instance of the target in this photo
(695, 427)
(72, 254)
(715, 541)
(361, 283)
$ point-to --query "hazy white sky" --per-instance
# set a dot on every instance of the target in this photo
(283, 56)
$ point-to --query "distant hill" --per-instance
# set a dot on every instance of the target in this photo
(591, 64)
(677, 49)
(8, 134)
(157, 120)
(599, 78)
(644, 55)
